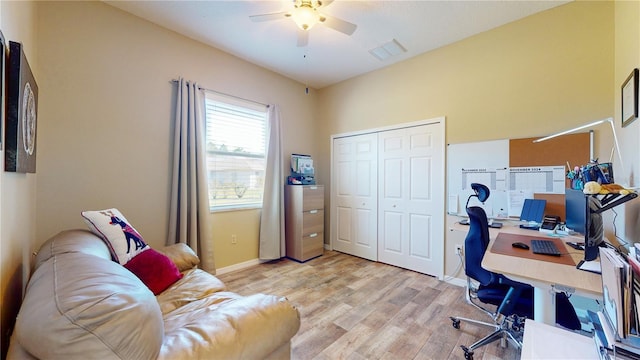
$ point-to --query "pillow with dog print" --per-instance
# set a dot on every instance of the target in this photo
(123, 240)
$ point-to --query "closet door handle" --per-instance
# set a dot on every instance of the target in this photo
(313, 212)
(313, 235)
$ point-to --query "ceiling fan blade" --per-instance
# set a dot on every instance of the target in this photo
(326, 3)
(303, 38)
(268, 17)
(343, 26)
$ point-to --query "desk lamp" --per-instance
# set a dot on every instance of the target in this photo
(587, 126)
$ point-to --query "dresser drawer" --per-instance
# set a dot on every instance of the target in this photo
(312, 222)
(313, 197)
(304, 221)
(312, 246)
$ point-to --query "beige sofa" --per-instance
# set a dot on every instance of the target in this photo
(80, 304)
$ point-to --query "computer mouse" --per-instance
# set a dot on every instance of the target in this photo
(520, 245)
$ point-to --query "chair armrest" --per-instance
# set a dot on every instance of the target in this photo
(511, 299)
(181, 255)
(512, 283)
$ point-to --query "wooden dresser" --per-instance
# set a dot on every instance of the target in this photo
(304, 221)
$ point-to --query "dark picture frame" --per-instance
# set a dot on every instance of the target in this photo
(21, 114)
(630, 98)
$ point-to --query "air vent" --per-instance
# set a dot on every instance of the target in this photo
(387, 50)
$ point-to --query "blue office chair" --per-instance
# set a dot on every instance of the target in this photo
(513, 300)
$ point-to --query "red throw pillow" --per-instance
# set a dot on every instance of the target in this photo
(155, 270)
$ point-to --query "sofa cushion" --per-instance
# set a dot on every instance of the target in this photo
(204, 321)
(182, 255)
(155, 270)
(83, 306)
(123, 240)
(196, 284)
(225, 325)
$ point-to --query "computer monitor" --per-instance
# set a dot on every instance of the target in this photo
(593, 207)
(582, 218)
(575, 210)
(594, 229)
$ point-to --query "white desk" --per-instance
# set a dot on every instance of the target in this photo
(542, 341)
(544, 276)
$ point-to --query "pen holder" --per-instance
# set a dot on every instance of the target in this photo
(577, 184)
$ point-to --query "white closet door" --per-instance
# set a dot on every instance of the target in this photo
(411, 200)
(354, 202)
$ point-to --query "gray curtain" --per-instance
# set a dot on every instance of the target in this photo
(189, 211)
(272, 245)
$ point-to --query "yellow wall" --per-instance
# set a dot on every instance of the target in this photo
(18, 194)
(245, 224)
(627, 57)
(520, 80)
(542, 74)
(105, 130)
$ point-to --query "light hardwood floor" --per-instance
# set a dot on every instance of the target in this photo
(353, 308)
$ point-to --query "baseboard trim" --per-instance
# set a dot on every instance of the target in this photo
(236, 267)
(456, 281)
(253, 262)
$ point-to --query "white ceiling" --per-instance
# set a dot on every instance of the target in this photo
(331, 56)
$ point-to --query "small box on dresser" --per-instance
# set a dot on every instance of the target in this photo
(304, 221)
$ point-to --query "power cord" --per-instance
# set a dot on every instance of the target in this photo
(621, 241)
(458, 268)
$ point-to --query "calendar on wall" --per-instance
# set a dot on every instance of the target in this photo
(513, 170)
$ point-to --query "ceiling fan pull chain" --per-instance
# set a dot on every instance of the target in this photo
(306, 86)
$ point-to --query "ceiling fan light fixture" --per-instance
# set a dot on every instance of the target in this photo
(305, 16)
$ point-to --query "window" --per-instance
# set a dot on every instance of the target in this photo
(236, 152)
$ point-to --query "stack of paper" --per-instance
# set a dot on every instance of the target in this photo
(619, 323)
(615, 279)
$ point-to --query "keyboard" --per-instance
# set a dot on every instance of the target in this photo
(544, 247)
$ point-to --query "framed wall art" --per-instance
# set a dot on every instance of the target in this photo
(21, 114)
(630, 98)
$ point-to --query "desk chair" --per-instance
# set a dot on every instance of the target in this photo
(513, 300)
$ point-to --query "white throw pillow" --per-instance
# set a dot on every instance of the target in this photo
(123, 240)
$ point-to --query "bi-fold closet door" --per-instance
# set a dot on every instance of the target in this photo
(388, 196)
(354, 202)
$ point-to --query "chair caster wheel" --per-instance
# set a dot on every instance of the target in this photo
(468, 355)
(455, 323)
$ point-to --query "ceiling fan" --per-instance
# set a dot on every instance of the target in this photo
(305, 14)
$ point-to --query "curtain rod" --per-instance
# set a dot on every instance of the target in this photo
(229, 95)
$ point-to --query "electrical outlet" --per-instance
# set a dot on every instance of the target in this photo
(234, 239)
(458, 249)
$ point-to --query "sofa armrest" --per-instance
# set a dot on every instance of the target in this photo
(182, 255)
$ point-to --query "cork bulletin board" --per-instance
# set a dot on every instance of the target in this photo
(572, 149)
